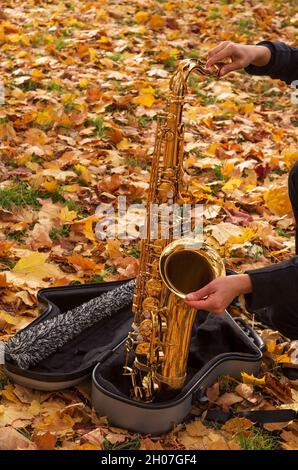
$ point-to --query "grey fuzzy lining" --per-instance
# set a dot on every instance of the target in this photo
(32, 345)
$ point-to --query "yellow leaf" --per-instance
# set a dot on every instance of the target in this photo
(232, 184)
(30, 264)
(66, 216)
(32, 269)
(83, 83)
(277, 200)
(246, 235)
(252, 380)
(88, 229)
(14, 38)
(247, 108)
(103, 39)
(212, 149)
(146, 99)
(124, 144)
(290, 155)
(227, 169)
(92, 54)
(50, 185)
(37, 74)
(141, 17)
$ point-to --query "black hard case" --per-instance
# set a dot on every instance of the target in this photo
(100, 347)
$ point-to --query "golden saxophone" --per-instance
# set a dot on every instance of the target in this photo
(158, 345)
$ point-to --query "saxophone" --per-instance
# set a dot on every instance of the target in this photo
(157, 347)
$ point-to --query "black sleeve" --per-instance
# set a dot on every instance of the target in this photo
(273, 285)
(283, 63)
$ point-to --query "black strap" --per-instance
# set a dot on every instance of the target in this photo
(257, 416)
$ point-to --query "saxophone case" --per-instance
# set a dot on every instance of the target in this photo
(220, 345)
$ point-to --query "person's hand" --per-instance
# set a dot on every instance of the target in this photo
(219, 293)
(239, 55)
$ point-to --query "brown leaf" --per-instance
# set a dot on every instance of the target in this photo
(46, 441)
(148, 444)
(279, 390)
(10, 439)
(236, 425)
(213, 392)
(95, 437)
(247, 392)
(40, 237)
(290, 440)
(228, 399)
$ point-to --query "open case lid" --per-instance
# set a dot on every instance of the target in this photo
(77, 358)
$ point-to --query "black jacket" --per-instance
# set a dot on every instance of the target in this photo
(273, 285)
(276, 284)
(283, 63)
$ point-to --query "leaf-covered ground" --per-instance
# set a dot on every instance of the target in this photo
(83, 83)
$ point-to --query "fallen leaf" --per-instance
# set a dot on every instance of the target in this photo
(10, 439)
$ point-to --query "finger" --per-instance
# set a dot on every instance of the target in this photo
(198, 304)
(206, 305)
(201, 293)
(224, 53)
(216, 49)
(229, 68)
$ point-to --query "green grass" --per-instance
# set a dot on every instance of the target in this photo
(116, 56)
(214, 14)
(193, 54)
(56, 233)
(145, 120)
(98, 123)
(25, 432)
(283, 233)
(20, 194)
(134, 251)
(7, 263)
(128, 445)
(258, 440)
(245, 25)
(60, 44)
(3, 382)
(218, 172)
(17, 235)
(54, 86)
(131, 161)
(105, 274)
(170, 64)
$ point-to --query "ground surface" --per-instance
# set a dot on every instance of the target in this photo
(83, 82)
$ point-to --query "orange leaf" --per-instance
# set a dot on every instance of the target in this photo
(156, 22)
(115, 134)
(3, 282)
(84, 263)
(46, 441)
(93, 95)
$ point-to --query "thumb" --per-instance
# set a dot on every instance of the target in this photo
(229, 68)
(201, 293)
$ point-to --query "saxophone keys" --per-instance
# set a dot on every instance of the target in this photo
(153, 287)
(150, 304)
(165, 188)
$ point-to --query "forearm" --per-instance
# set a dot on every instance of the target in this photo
(282, 64)
(273, 285)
